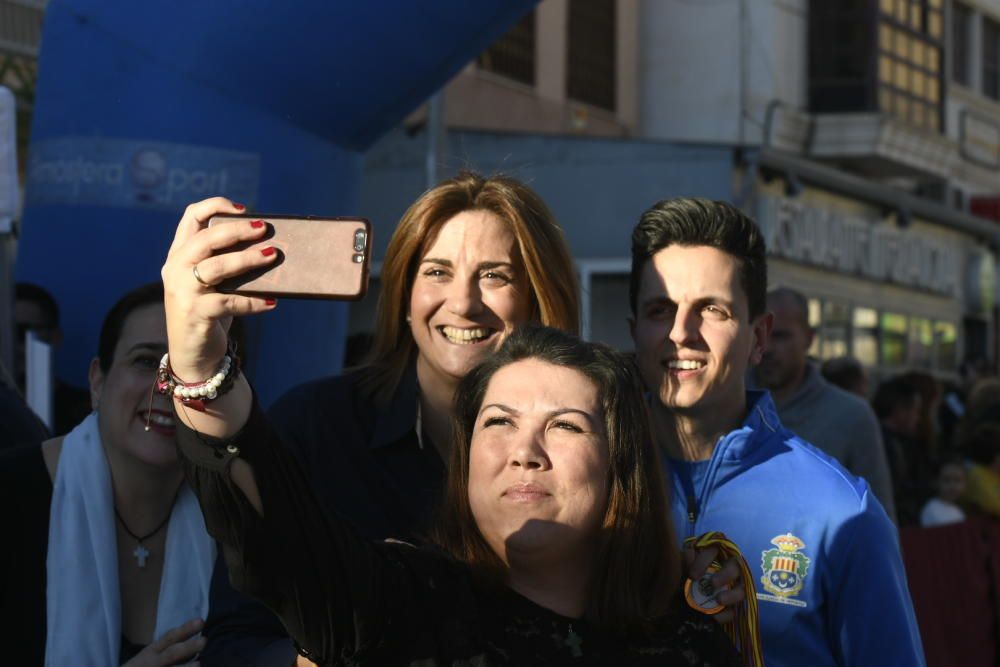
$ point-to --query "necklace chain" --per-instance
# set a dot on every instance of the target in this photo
(143, 538)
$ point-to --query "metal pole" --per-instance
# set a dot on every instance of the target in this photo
(435, 138)
(9, 196)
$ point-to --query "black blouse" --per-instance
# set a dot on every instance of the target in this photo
(346, 600)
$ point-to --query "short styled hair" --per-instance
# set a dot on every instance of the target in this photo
(687, 221)
(42, 297)
(637, 572)
(548, 266)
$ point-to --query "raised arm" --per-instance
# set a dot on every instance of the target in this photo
(198, 317)
(336, 593)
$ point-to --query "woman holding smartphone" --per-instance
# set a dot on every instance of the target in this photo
(470, 260)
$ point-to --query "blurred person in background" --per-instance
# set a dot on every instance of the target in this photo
(977, 437)
(949, 487)
(847, 373)
(897, 404)
(838, 422)
(982, 487)
(953, 403)
(928, 436)
(107, 559)
(36, 310)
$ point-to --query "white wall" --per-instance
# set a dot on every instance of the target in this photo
(700, 61)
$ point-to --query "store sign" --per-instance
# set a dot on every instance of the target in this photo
(857, 245)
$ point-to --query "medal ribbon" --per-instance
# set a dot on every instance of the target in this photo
(744, 629)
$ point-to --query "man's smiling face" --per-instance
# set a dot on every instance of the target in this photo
(692, 330)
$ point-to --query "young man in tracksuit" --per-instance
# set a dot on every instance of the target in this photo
(824, 556)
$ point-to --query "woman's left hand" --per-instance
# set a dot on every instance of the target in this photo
(727, 581)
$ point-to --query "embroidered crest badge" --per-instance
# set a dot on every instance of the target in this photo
(785, 570)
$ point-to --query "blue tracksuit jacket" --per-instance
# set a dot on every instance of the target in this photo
(823, 554)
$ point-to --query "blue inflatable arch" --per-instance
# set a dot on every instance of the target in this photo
(144, 107)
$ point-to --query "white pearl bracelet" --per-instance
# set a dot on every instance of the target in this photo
(170, 384)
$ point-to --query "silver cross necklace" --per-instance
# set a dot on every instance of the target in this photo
(141, 553)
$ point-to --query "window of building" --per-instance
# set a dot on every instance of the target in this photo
(910, 40)
(815, 321)
(946, 345)
(880, 339)
(865, 336)
(991, 58)
(591, 53)
(835, 330)
(961, 28)
(921, 347)
(513, 55)
(894, 339)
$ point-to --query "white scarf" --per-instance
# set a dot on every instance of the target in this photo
(83, 601)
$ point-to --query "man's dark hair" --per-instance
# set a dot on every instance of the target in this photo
(894, 393)
(39, 295)
(702, 222)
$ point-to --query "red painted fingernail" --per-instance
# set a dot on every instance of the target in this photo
(268, 251)
(257, 224)
(270, 302)
(238, 207)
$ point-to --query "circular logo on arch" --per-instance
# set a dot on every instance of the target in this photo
(148, 169)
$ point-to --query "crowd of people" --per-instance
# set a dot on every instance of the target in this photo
(915, 438)
(483, 487)
(939, 439)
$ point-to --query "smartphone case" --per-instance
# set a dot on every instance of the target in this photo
(318, 258)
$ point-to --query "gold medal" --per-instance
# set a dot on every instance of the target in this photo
(700, 595)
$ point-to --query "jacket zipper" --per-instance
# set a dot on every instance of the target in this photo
(697, 503)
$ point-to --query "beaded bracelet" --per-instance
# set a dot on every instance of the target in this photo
(196, 394)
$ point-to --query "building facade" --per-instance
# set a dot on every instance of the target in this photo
(864, 137)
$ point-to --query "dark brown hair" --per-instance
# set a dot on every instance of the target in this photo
(114, 321)
(547, 264)
(702, 222)
(637, 570)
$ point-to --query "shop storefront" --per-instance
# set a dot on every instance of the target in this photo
(892, 289)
